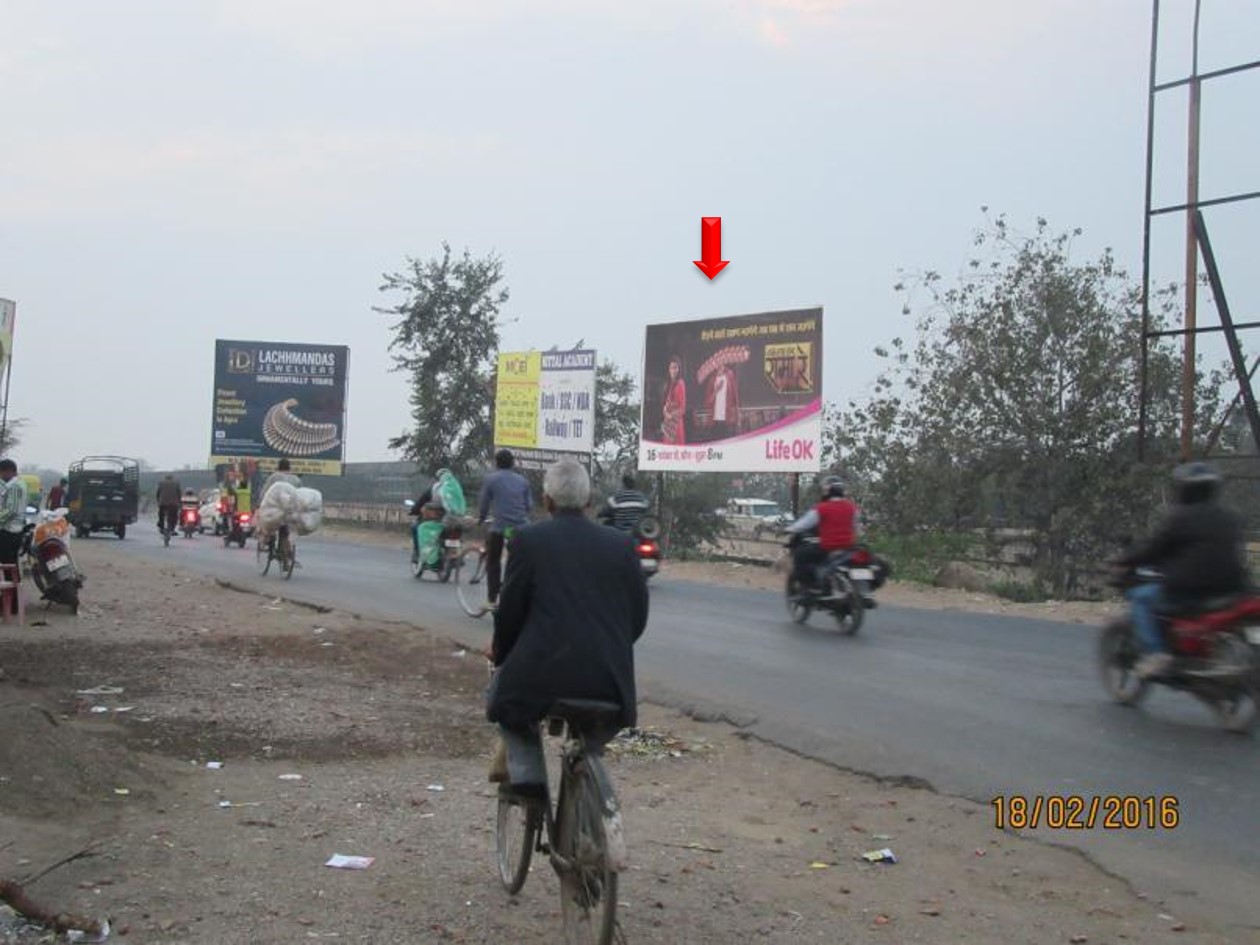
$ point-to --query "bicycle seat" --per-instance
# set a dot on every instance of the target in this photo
(586, 713)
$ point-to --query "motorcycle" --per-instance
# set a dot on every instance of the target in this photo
(190, 520)
(220, 514)
(239, 528)
(47, 554)
(843, 586)
(646, 533)
(441, 543)
(1216, 653)
(647, 546)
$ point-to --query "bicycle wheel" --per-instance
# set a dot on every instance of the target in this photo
(515, 834)
(588, 882)
(289, 561)
(262, 556)
(467, 580)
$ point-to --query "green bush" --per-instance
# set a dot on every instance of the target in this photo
(1020, 592)
(918, 556)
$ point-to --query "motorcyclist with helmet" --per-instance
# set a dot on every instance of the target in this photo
(1199, 550)
(836, 520)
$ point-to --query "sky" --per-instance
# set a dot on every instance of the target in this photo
(173, 173)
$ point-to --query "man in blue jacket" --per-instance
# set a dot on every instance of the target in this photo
(505, 497)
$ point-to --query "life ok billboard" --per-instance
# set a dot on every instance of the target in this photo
(736, 394)
(544, 406)
(275, 400)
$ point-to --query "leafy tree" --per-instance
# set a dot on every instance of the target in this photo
(616, 425)
(1018, 404)
(689, 505)
(446, 335)
(11, 435)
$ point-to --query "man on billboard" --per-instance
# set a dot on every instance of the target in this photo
(722, 403)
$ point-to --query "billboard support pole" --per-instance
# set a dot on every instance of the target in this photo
(493, 385)
(796, 495)
(4, 413)
(8, 378)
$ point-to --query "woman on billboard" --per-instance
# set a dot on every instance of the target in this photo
(675, 404)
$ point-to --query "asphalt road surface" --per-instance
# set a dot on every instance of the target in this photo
(979, 706)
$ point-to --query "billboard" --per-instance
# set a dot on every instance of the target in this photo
(544, 406)
(736, 394)
(277, 399)
(8, 317)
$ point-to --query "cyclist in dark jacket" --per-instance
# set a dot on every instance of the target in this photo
(574, 603)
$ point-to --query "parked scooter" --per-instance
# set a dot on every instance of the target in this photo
(47, 554)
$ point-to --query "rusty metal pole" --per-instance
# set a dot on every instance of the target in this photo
(1144, 370)
(796, 495)
(1192, 252)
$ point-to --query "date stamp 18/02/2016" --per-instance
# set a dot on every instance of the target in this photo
(1084, 812)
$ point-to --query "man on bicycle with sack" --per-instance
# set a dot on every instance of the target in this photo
(283, 474)
(574, 602)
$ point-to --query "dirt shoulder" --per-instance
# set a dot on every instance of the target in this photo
(337, 734)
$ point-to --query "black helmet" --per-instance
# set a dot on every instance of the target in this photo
(833, 487)
(1196, 482)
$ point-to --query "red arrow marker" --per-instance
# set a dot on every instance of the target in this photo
(711, 261)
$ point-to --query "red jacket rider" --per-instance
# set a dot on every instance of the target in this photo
(835, 519)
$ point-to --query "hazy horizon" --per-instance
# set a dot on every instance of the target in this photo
(248, 169)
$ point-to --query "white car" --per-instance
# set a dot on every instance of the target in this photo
(210, 511)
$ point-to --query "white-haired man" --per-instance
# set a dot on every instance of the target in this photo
(573, 603)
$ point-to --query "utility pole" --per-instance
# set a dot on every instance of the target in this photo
(1192, 251)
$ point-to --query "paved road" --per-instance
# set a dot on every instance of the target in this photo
(977, 705)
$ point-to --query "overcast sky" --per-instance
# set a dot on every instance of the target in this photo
(173, 173)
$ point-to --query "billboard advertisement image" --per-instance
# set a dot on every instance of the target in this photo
(544, 406)
(735, 394)
(274, 400)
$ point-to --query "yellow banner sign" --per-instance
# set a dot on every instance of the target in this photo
(516, 399)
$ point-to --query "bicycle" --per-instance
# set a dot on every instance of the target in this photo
(582, 837)
(168, 531)
(470, 570)
(279, 548)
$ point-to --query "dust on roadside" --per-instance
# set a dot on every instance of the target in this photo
(110, 719)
